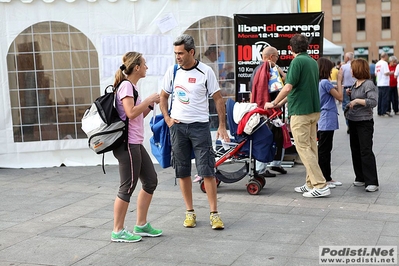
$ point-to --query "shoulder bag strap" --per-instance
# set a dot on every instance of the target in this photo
(173, 86)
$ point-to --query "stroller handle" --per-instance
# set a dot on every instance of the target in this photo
(274, 113)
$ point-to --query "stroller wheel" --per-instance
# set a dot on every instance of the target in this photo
(254, 187)
(202, 184)
(261, 180)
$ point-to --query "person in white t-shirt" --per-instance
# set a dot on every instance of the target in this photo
(396, 74)
(210, 58)
(188, 121)
(382, 74)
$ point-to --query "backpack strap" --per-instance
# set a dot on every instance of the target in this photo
(103, 166)
(135, 96)
(135, 93)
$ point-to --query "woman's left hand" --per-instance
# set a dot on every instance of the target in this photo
(154, 98)
(351, 104)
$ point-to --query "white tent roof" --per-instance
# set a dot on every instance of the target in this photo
(330, 48)
(113, 27)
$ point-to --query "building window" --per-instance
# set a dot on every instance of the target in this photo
(53, 77)
(385, 0)
(336, 2)
(386, 23)
(360, 1)
(361, 24)
(214, 42)
(336, 26)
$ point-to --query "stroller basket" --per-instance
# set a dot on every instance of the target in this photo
(231, 177)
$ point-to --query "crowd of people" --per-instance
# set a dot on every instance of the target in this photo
(359, 90)
(309, 90)
(384, 73)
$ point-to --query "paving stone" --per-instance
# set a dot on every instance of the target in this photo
(64, 215)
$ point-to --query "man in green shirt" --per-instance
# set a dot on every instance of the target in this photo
(302, 91)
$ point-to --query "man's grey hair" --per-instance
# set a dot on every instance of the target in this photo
(393, 58)
(187, 40)
(349, 55)
(383, 55)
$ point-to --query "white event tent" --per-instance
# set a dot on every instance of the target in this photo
(41, 111)
(332, 50)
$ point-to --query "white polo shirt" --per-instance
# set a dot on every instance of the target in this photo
(381, 68)
(396, 74)
(192, 87)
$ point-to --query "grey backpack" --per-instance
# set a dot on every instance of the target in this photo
(104, 128)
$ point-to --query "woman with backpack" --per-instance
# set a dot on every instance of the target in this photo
(134, 161)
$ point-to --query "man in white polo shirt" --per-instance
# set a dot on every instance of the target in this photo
(382, 74)
(188, 121)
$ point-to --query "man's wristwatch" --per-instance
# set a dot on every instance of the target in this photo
(150, 107)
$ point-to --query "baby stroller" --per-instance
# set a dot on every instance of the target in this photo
(244, 149)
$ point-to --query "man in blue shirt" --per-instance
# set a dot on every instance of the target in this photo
(372, 71)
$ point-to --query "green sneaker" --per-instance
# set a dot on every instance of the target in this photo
(190, 220)
(146, 230)
(216, 222)
(124, 236)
